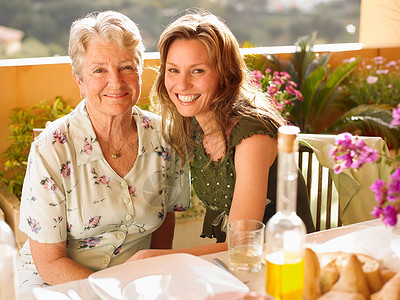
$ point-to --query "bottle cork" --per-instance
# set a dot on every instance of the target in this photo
(287, 139)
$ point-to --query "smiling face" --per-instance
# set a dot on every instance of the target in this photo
(111, 80)
(191, 79)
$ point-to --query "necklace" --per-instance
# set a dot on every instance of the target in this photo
(117, 153)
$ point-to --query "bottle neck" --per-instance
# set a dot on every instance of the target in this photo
(287, 182)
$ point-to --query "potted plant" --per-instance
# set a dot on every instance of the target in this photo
(16, 155)
(314, 79)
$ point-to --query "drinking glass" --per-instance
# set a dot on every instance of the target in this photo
(245, 244)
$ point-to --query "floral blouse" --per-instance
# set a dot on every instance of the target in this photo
(71, 194)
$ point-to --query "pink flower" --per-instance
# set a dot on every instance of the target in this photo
(372, 79)
(379, 60)
(389, 215)
(146, 122)
(394, 186)
(103, 179)
(66, 170)
(87, 148)
(285, 75)
(349, 60)
(132, 190)
(379, 72)
(272, 90)
(59, 136)
(93, 222)
(278, 80)
(351, 152)
(299, 95)
(396, 117)
(49, 184)
(379, 188)
(258, 75)
(290, 89)
(391, 64)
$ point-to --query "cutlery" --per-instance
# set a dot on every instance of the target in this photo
(224, 266)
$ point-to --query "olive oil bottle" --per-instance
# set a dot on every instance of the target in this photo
(285, 231)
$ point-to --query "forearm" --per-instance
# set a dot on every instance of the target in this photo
(204, 249)
(198, 251)
(62, 270)
(53, 265)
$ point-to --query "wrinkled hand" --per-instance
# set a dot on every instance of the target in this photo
(148, 253)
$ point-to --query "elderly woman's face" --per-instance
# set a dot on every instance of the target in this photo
(111, 79)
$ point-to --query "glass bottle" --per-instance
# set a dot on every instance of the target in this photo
(8, 257)
(285, 231)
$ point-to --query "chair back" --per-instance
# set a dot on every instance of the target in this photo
(323, 195)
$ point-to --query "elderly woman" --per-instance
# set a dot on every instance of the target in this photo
(101, 182)
(207, 104)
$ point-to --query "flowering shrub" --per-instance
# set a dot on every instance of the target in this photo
(396, 117)
(351, 152)
(278, 85)
(375, 81)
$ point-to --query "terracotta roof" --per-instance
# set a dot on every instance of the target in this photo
(9, 34)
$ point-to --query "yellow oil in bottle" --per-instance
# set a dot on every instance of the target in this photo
(284, 276)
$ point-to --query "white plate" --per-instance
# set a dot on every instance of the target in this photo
(109, 283)
(167, 287)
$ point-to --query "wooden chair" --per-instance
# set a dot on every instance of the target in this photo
(323, 195)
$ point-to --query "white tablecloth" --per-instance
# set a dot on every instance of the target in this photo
(255, 281)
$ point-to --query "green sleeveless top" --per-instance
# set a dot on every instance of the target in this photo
(214, 181)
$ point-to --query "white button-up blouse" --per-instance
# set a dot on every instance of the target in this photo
(71, 193)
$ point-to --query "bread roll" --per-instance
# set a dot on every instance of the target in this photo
(327, 257)
(390, 291)
(387, 274)
(352, 278)
(334, 295)
(370, 266)
(311, 290)
(329, 275)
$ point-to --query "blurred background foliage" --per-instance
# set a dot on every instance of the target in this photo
(46, 23)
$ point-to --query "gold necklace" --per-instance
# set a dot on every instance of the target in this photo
(117, 153)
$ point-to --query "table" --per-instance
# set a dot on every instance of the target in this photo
(255, 280)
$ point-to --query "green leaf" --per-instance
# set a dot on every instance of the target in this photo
(331, 83)
(369, 120)
(22, 123)
(308, 90)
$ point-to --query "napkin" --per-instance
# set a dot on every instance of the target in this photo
(378, 242)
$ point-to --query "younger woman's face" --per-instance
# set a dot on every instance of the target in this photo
(191, 78)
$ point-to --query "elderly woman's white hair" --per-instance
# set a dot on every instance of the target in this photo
(109, 25)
